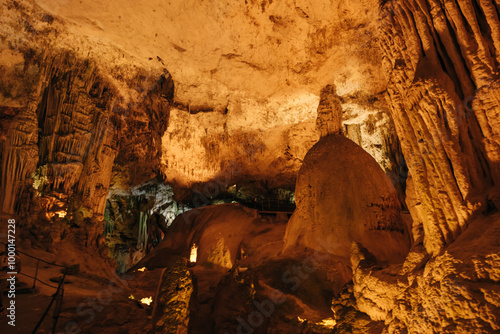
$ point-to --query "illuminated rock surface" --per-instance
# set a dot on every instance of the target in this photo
(117, 117)
(170, 311)
(342, 193)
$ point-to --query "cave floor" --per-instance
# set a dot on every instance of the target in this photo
(29, 310)
(94, 303)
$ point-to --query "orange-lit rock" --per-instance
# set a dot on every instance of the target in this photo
(343, 195)
(111, 110)
(235, 51)
(223, 234)
(171, 303)
(454, 292)
(441, 69)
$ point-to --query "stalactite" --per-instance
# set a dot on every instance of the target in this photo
(435, 61)
(142, 238)
(20, 157)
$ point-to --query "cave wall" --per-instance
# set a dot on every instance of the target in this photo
(71, 110)
(64, 128)
(442, 58)
(267, 141)
(19, 158)
(98, 99)
(76, 111)
(75, 133)
(66, 131)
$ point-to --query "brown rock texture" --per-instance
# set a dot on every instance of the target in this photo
(210, 122)
(343, 194)
(66, 130)
(66, 115)
(100, 97)
(249, 272)
(267, 141)
(68, 123)
(443, 57)
(238, 50)
(329, 121)
(214, 231)
(454, 292)
(19, 159)
(171, 308)
(76, 140)
(201, 147)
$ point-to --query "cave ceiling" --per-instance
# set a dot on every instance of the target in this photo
(221, 51)
(247, 77)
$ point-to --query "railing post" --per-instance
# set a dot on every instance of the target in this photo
(36, 273)
(56, 316)
(59, 301)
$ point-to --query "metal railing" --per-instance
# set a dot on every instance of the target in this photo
(57, 296)
(272, 205)
(262, 204)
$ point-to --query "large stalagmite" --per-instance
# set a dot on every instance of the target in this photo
(342, 196)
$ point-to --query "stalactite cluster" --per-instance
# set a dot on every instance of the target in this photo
(441, 55)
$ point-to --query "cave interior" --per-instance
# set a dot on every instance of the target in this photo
(216, 167)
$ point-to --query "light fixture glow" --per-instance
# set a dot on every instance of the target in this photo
(142, 269)
(329, 323)
(61, 213)
(147, 300)
(194, 253)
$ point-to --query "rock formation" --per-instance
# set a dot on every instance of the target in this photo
(442, 57)
(220, 241)
(171, 309)
(116, 118)
(454, 292)
(440, 64)
(329, 121)
(342, 195)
